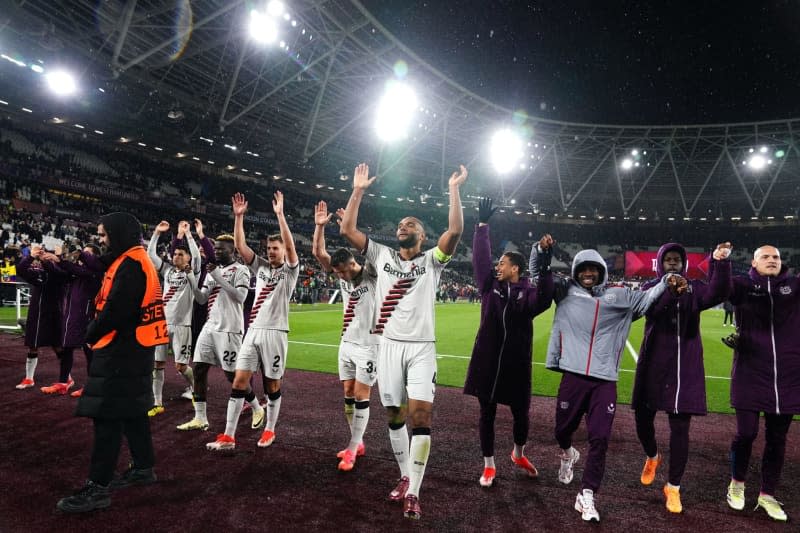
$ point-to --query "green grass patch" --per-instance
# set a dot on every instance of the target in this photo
(316, 330)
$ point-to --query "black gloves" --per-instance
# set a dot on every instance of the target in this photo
(485, 210)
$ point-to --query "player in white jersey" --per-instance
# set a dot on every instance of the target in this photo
(178, 302)
(266, 340)
(224, 291)
(406, 293)
(358, 349)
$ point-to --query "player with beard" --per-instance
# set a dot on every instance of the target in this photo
(406, 290)
(766, 373)
(267, 338)
(669, 373)
(224, 290)
(358, 349)
(590, 327)
(178, 303)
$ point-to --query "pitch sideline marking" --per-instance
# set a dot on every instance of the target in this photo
(449, 356)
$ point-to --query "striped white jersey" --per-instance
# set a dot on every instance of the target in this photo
(359, 308)
(274, 288)
(225, 314)
(406, 293)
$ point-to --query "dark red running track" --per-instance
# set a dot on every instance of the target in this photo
(295, 486)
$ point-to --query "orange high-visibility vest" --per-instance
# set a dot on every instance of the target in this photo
(152, 328)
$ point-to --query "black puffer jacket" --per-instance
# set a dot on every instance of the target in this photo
(120, 377)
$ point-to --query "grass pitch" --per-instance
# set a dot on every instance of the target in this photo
(314, 341)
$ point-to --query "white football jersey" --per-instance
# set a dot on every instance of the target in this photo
(178, 296)
(359, 308)
(225, 313)
(406, 293)
(274, 288)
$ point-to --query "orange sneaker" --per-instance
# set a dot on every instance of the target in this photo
(525, 464)
(223, 442)
(673, 495)
(267, 438)
(348, 461)
(360, 451)
(649, 470)
(26, 383)
(58, 388)
(487, 479)
(77, 393)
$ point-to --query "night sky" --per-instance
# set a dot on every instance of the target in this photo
(607, 61)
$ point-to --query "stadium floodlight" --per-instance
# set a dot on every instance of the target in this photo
(757, 162)
(395, 111)
(262, 27)
(626, 164)
(763, 149)
(38, 69)
(506, 150)
(634, 152)
(61, 82)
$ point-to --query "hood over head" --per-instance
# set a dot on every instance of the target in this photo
(670, 246)
(593, 257)
(124, 231)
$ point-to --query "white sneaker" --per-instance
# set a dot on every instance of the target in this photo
(736, 495)
(259, 417)
(584, 504)
(187, 394)
(568, 460)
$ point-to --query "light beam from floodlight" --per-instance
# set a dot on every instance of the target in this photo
(61, 82)
(506, 150)
(757, 162)
(395, 111)
(262, 27)
(626, 164)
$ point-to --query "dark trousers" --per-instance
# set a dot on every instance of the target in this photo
(775, 429)
(728, 318)
(678, 440)
(519, 411)
(108, 434)
(597, 399)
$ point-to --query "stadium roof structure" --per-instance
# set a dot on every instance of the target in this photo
(175, 71)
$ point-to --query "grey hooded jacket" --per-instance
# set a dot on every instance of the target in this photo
(591, 326)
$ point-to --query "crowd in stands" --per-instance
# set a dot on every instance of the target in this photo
(55, 185)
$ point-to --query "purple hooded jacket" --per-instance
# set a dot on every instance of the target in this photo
(77, 306)
(670, 375)
(43, 324)
(766, 363)
(500, 367)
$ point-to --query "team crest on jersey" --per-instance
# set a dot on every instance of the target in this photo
(563, 405)
(611, 408)
(785, 289)
(610, 298)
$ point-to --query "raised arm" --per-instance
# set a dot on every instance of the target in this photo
(286, 235)
(348, 229)
(321, 218)
(719, 282)
(152, 246)
(449, 239)
(239, 205)
(195, 262)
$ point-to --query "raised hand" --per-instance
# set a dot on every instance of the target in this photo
(546, 242)
(361, 179)
(677, 284)
(321, 215)
(458, 178)
(162, 226)
(198, 228)
(339, 216)
(183, 228)
(238, 204)
(723, 251)
(36, 250)
(485, 210)
(277, 203)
